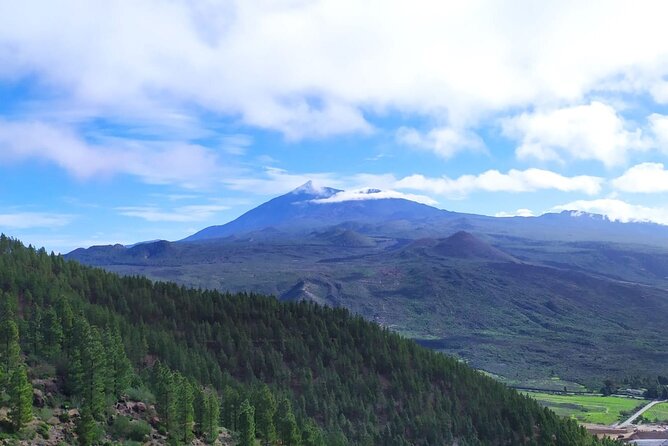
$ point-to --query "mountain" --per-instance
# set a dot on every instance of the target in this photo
(309, 207)
(128, 360)
(565, 294)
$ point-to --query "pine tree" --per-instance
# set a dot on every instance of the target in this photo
(35, 331)
(231, 405)
(88, 370)
(200, 410)
(120, 369)
(265, 410)
(20, 395)
(288, 431)
(246, 424)
(52, 333)
(184, 409)
(10, 351)
(88, 432)
(66, 317)
(165, 394)
(212, 416)
(312, 435)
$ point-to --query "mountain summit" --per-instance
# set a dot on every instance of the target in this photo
(309, 206)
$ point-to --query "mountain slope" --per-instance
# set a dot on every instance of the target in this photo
(308, 207)
(359, 382)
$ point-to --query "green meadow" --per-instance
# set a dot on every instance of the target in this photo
(657, 413)
(589, 408)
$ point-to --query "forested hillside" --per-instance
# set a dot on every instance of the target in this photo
(284, 373)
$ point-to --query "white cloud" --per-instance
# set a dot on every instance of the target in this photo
(517, 213)
(26, 220)
(191, 213)
(659, 128)
(494, 181)
(315, 68)
(618, 210)
(373, 194)
(586, 132)
(161, 162)
(443, 141)
(643, 178)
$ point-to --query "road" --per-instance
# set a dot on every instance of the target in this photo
(629, 421)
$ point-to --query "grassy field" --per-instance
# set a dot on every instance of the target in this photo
(657, 413)
(588, 408)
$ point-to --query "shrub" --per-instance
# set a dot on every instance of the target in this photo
(129, 429)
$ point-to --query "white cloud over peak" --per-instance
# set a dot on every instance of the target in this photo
(373, 194)
(517, 213)
(494, 181)
(316, 68)
(643, 178)
(618, 210)
(594, 131)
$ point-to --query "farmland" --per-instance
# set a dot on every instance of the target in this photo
(657, 413)
(589, 408)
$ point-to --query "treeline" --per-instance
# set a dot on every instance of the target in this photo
(655, 387)
(286, 373)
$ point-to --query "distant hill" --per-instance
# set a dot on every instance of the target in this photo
(465, 245)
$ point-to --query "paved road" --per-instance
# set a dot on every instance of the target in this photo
(629, 421)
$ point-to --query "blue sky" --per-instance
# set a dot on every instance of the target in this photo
(148, 119)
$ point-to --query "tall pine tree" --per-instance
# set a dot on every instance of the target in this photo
(212, 416)
(20, 398)
(288, 431)
(246, 424)
(265, 410)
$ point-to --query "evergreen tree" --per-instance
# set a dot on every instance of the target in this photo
(265, 411)
(35, 331)
(88, 370)
(10, 351)
(199, 410)
(212, 416)
(20, 395)
(184, 409)
(120, 368)
(288, 431)
(166, 397)
(88, 432)
(312, 435)
(246, 424)
(52, 333)
(231, 403)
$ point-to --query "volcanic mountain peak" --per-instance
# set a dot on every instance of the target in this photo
(313, 191)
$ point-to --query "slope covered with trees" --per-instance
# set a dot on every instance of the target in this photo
(284, 373)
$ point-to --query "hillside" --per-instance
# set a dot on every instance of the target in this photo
(347, 381)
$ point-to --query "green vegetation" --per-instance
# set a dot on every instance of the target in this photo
(588, 408)
(658, 413)
(339, 379)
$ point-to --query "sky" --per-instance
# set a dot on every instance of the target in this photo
(149, 119)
